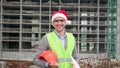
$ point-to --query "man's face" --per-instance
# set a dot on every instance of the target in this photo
(59, 24)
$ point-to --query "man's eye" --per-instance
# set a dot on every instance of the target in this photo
(59, 20)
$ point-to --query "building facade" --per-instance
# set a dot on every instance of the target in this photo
(24, 22)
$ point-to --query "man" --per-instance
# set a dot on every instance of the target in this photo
(59, 41)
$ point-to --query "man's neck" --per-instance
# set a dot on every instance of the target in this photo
(61, 33)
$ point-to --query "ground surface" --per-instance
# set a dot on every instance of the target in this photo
(17, 64)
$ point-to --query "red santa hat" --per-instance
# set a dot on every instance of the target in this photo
(60, 13)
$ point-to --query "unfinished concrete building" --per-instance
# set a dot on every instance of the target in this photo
(24, 22)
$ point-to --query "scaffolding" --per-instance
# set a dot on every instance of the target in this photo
(112, 29)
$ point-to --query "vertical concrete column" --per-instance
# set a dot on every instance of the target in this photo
(118, 30)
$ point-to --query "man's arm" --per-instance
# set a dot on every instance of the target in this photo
(43, 45)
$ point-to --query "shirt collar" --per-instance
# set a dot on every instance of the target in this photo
(59, 34)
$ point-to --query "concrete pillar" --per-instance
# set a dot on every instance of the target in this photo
(118, 30)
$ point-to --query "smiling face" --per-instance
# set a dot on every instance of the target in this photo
(59, 24)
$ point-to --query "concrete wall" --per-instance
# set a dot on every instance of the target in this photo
(18, 55)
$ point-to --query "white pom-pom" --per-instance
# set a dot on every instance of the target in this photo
(69, 22)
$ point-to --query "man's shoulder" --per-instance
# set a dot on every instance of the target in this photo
(69, 33)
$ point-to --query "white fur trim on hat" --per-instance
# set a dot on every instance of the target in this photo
(59, 15)
(68, 22)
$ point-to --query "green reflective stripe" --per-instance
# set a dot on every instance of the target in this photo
(57, 46)
(64, 60)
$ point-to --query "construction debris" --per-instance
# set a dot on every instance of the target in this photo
(100, 63)
(83, 63)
